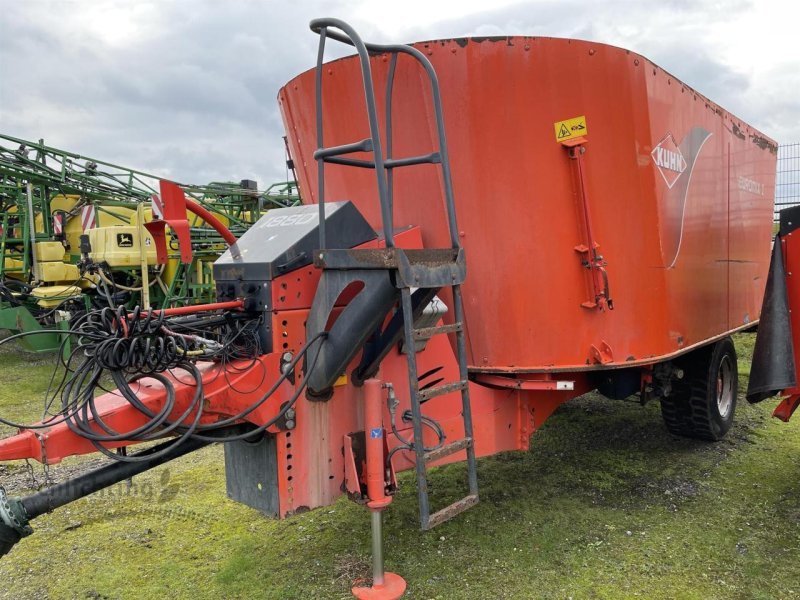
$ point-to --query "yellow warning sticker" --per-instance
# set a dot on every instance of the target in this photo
(342, 380)
(571, 128)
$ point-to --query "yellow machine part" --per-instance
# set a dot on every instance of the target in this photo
(107, 216)
(64, 202)
(88, 280)
(50, 266)
(115, 241)
(119, 246)
(72, 228)
(49, 251)
(148, 216)
(49, 296)
(51, 272)
(12, 264)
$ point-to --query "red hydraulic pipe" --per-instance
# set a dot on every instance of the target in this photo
(174, 205)
(188, 310)
(210, 219)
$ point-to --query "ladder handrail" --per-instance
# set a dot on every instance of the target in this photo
(347, 35)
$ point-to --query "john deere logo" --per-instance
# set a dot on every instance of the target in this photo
(125, 240)
(669, 160)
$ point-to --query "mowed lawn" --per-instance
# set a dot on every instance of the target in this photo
(606, 504)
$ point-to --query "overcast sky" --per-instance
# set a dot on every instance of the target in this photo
(187, 89)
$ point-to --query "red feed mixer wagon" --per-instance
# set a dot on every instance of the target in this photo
(492, 226)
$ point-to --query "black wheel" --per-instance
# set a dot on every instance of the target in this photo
(703, 405)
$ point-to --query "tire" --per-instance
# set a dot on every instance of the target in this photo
(704, 404)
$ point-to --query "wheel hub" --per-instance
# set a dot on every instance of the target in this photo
(725, 387)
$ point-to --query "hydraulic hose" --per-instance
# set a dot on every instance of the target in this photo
(16, 513)
(211, 220)
(58, 495)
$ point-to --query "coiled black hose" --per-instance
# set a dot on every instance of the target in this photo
(131, 345)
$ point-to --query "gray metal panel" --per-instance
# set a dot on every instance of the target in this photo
(285, 239)
(251, 474)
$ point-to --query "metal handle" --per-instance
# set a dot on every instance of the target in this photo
(340, 31)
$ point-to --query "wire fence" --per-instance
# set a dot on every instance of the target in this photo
(787, 182)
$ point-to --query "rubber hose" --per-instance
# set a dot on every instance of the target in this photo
(126, 288)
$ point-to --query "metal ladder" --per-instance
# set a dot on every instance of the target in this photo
(418, 397)
(424, 270)
(7, 240)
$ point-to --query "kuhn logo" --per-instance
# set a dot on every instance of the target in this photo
(676, 162)
(669, 160)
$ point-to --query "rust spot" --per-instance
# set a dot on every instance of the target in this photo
(737, 132)
(764, 143)
(492, 38)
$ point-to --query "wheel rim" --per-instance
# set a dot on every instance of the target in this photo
(725, 387)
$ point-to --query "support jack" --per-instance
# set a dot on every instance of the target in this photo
(385, 585)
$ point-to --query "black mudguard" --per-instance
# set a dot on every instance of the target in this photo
(773, 369)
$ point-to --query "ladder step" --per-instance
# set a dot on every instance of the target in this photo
(364, 145)
(432, 158)
(424, 333)
(451, 511)
(425, 395)
(448, 449)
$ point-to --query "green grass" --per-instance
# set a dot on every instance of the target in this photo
(606, 504)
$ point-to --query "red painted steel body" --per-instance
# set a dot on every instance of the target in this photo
(686, 241)
(312, 466)
(677, 192)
